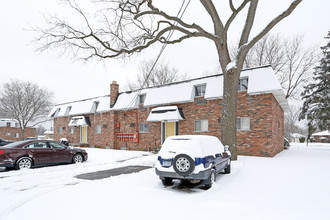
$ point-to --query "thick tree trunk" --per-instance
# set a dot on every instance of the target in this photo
(228, 120)
(22, 134)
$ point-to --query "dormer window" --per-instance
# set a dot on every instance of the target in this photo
(68, 109)
(243, 84)
(94, 107)
(55, 114)
(200, 90)
(142, 98)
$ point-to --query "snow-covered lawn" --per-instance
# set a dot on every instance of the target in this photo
(293, 185)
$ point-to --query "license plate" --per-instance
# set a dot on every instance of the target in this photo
(167, 163)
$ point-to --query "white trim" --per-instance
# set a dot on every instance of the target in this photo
(165, 113)
(78, 121)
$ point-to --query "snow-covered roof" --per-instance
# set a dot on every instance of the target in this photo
(81, 107)
(261, 80)
(78, 121)
(165, 113)
(297, 135)
(322, 133)
(4, 121)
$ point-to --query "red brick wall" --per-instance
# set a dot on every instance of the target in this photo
(278, 128)
(258, 138)
(265, 137)
(28, 132)
(317, 138)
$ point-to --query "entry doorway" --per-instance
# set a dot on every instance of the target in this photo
(83, 134)
(169, 129)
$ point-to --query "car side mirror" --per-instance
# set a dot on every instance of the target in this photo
(226, 148)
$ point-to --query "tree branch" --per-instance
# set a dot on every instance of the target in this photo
(286, 13)
(212, 11)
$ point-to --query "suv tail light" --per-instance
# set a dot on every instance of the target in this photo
(2, 151)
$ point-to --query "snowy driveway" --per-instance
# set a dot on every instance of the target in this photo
(292, 185)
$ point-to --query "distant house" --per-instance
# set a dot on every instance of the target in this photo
(49, 135)
(10, 130)
(296, 136)
(323, 136)
(142, 120)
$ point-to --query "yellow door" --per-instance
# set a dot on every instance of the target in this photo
(170, 129)
(83, 134)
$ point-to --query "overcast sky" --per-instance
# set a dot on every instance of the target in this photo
(72, 81)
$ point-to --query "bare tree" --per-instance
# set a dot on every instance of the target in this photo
(26, 102)
(291, 118)
(40, 130)
(161, 74)
(292, 63)
(130, 26)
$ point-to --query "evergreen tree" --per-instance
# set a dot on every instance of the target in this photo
(316, 96)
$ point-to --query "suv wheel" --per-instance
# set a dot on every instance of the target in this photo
(210, 180)
(227, 169)
(183, 164)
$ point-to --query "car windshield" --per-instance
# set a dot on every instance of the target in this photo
(13, 145)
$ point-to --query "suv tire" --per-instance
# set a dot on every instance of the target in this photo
(210, 180)
(183, 164)
(228, 169)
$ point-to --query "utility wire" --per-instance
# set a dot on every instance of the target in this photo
(160, 53)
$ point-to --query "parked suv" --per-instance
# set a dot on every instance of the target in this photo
(197, 158)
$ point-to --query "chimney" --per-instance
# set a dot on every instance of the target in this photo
(114, 87)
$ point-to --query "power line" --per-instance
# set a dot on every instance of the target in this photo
(160, 52)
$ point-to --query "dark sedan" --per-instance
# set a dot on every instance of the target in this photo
(33, 153)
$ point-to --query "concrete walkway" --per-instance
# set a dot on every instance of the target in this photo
(112, 172)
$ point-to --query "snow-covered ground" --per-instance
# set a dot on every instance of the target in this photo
(293, 185)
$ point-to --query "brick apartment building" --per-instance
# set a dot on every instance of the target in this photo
(10, 130)
(141, 120)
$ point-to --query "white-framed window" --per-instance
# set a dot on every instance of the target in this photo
(243, 84)
(71, 130)
(200, 90)
(98, 129)
(243, 124)
(201, 125)
(60, 130)
(16, 135)
(143, 128)
(7, 133)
